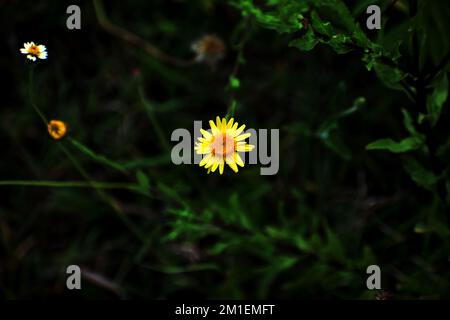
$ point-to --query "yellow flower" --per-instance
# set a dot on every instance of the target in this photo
(34, 51)
(57, 129)
(222, 144)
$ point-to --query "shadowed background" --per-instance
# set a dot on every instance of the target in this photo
(310, 231)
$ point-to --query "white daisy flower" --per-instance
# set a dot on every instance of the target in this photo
(34, 51)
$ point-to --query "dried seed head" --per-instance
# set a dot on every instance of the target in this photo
(209, 49)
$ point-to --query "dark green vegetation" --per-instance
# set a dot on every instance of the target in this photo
(364, 150)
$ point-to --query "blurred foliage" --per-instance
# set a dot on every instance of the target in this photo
(364, 151)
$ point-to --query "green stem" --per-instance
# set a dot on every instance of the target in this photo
(239, 59)
(69, 184)
(421, 106)
(31, 95)
(155, 124)
(104, 196)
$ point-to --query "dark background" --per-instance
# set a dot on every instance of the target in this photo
(308, 232)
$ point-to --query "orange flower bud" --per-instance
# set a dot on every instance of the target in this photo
(57, 129)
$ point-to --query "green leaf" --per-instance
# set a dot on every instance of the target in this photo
(301, 128)
(443, 148)
(339, 43)
(328, 131)
(234, 83)
(437, 99)
(360, 38)
(423, 177)
(409, 123)
(143, 181)
(286, 18)
(334, 142)
(405, 145)
(302, 244)
(338, 11)
(324, 28)
(333, 247)
(388, 75)
(307, 43)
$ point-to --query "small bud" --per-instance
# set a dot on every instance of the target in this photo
(57, 129)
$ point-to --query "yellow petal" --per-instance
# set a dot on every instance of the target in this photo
(224, 125)
(214, 167)
(219, 123)
(238, 131)
(202, 149)
(244, 147)
(205, 160)
(209, 164)
(238, 160)
(233, 166)
(221, 168)
(214, 129)
(206, 134)
(230, 123)
(243, 136)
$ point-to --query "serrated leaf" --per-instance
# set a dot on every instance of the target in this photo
(306, 43)
(324, 28)
(340, 12)
(361, 39)
(286, 18)
(339, 43)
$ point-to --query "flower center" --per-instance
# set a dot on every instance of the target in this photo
(55, 128)
(223, 145)
(34, 50)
